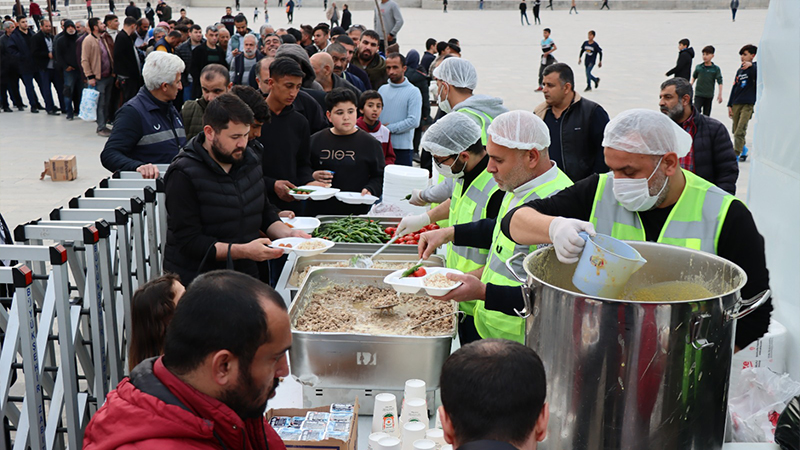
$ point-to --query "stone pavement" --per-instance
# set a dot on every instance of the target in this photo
(639, 47)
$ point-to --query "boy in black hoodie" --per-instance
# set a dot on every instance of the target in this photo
(743, 97)
(683, 68)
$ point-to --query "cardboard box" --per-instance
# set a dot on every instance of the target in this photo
(61, 168)
(328, 444)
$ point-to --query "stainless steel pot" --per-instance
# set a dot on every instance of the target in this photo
(635, 375)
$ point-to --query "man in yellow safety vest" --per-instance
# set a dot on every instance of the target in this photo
(454, 142)
(520, 164)
(646, 196)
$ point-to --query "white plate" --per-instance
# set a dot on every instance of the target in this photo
(355, 198)
(412, 285)
(317, 193)
(295, 242)
(305, 224)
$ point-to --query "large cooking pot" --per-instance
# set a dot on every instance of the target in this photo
(635, 375)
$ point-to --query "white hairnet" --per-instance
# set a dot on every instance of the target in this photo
(646, 132)
(522, 130)
(457, 72)
(451, 135)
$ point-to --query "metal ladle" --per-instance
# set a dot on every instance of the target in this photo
(366, 263)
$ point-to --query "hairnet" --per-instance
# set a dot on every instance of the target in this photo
(451, 135)
(457, 72)
(646, 132)
(522, 130)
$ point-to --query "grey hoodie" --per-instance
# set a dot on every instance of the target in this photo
(392, 19)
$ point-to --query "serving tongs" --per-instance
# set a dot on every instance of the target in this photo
(360, 262)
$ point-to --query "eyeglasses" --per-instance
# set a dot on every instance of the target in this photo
(442, 163)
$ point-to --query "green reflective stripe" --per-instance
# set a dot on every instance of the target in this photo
(483, 117)
(161, 136)
(695, 220)
(494, 324)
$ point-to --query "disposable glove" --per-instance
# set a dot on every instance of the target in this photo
(410, 224)
(416, 198)
(566, 241)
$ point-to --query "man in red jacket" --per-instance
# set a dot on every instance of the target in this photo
(224, 352)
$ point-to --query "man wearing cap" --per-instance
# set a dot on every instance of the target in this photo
(456, 80)
(648, 197)
(454, 142)
(521, 166)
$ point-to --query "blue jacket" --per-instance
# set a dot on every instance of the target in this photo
(146, 130)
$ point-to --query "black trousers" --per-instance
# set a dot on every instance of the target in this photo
(703, 104)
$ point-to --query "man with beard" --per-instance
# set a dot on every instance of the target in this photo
(43, 52)
(353, 71)
(215, 171)
(402, 107)
(323, 67)
(224, 355)
(369, 60)
(340, 61)
(141, 37)
(245, 61)
(127, 61)
(711, 156)
(148, 130)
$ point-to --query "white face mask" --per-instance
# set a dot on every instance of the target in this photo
(444, 103)
(634, 193)
(447, 171)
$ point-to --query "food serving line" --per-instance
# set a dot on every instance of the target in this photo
(672, 358)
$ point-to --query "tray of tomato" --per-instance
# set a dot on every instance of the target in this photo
(410, 238)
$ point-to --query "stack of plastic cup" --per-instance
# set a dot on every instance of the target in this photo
(389, 443)
(424, 444)
(412, 432)
(415, 410)
(436, 435)
(374, 438)
(384, 416)
(414, 389)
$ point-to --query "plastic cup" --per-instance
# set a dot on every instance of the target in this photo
(389, 443)
(414, 389)
(374, 438)
(384, 416)
(413, 431)
(424, 444)
(436, 435)
(415, 410)
(447, 447)
(605, 266)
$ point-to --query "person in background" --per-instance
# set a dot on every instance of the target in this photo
(228, 20)
(133, 11)
(150, 14)
(370, 106)
(42, 51)
(743, 98)
(127, 62)
(236, 44)
(402, 108)
(290, 11)
(428, 56)
(244, 62)
(592, 50)
(345, 156)
(152, 308)
(141, 34)
(734, 7)
(203, 55)
(271, 42)
(574, 7)
(548, 47)
(332, 14)
(347, 18)
(500, 418)
(392, 20)
(224, 38)
(89, 14)
(323, 67)
(706, 75)
(18, 47)
(214, 81)
(112, 25)
(338, 54)
(422, 82)
(711, 156)
(351, 69)
(168, 42)
(9, 71)
(148, 130)
(523, 13)
(97, 61)
(683, 68)
(184, 50)
(66, 55)
(224, 354)
(536, 5)
(576, 125)
(355, 31)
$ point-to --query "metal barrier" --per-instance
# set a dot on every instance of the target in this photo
(36, 350)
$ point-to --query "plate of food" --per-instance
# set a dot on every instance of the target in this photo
(302, 246)
(432, 279)
(313, 192)
(304, 224)
(355, 198)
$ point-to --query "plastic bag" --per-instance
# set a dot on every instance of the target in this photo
(88, 111)
(756, 402)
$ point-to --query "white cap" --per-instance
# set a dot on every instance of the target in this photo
(522, 130)
(646, 132)
(457, 72)
(451, 135)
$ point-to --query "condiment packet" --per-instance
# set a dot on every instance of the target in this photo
(314, 425)
(280, 422)
(317, 415)
(289, 434)
(312, 435)
(297, 421)
(341, 417)
(337, 435)
(342, 427)
(342, 408)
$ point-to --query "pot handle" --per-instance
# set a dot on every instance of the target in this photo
(511, 269)
(750, 305)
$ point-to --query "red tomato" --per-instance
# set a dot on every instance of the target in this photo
(419, 272)
(434, 226)
(390, 230)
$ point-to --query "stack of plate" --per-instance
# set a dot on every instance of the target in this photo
(399, 181)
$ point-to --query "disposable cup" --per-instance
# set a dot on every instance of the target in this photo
(374, 438)
(415, 410)
(384, 416)
(414, 389)
(389, 443)
(424, 444)
(413, 431)
(436, 435)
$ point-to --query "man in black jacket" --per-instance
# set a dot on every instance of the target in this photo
(67, 57)
(133, 11)
(127, 61)
(576, 124)
(216, 199)
(711, 156)
(683, 68)
(18, 48)
(203, 55)
(9, 74)
(42, 51)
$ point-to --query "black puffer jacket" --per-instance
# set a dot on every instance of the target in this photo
(714, 159)
(683, 68)
(205, 205)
